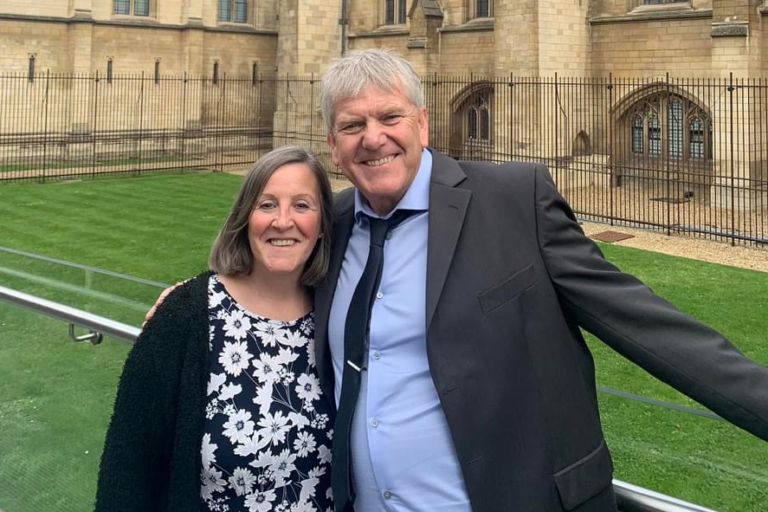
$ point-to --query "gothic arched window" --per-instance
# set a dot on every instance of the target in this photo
(675, 117)
(472, 123)
(670, 126)
(479, 119)
(654, 135)
(637, 135)
(696, 139)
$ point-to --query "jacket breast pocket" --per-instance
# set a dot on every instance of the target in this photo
(585, 478)
(507, 290)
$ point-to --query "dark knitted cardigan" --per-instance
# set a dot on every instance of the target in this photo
(151, 459)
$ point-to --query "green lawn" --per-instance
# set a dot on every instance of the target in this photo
(694, 458)
(55, 396)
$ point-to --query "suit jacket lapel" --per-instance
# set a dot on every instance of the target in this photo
(344, 209)
(447, 208)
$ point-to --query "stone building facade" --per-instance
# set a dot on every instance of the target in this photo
(655, 94)
(664, 124)
(81, 36)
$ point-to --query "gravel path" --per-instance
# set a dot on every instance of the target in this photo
(688, 247)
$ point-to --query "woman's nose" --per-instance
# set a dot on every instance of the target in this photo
(283, 218)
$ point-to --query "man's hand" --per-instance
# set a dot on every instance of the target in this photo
(159, 301)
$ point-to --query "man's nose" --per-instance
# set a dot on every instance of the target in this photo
(374, 136)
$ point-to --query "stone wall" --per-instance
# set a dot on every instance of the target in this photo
(466, 51)
(80, 36)
(643, 48)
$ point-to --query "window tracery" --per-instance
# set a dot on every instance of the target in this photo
(668, 125)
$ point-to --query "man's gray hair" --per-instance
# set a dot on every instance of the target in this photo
(348, 75)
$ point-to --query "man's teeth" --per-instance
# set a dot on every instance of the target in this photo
(380, 161)
(282, 242)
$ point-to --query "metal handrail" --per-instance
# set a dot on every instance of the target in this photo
(73, 316)
(633, 498)
(630, 498)
(80, 266)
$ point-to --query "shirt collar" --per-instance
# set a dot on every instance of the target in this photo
(415, 198)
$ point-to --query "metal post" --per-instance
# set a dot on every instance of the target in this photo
(733, 149)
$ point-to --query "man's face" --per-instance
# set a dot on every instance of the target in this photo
(376, 140)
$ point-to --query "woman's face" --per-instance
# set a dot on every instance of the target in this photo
(285, 221)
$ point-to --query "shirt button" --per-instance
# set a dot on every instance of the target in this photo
(377, 355)
(375, 423)
(379, 295)
(389, 235)
(387, 495)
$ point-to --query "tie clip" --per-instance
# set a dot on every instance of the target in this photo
(354, 366)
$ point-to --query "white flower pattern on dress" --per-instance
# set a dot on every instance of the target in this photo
(235, 357)
(267, 439)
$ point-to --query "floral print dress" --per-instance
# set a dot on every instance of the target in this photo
(267, 439)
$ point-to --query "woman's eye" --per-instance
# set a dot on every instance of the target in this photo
(266, 205)
(302, 206)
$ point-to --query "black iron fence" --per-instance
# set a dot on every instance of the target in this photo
(57, 126)
(678, 155)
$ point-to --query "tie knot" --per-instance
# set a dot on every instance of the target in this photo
(379, 227)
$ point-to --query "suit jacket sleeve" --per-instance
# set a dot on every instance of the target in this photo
(629, 317)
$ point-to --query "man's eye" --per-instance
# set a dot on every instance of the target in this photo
(391, 118)
(350, 127)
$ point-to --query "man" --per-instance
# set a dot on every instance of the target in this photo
(477, 389)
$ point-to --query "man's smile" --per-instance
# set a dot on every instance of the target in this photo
(380, 161)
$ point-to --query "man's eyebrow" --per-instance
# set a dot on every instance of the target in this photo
(341, 119)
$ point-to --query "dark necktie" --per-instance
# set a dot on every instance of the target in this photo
(355, 354)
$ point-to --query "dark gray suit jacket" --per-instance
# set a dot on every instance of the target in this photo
(510, 279)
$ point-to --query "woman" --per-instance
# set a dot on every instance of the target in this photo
(219, 406)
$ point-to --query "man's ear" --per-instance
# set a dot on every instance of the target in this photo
(331, 140)
(423, 127)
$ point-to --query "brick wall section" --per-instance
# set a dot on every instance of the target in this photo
(363, 16)
(653, 48)
(456, 12)
(463, 52)
(722, 9)
(227, 48)
(49, 46)
(37, 8)
(309, 36)
(517, 50)
(563, 38)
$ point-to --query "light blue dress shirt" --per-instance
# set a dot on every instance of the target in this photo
(403, 458)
